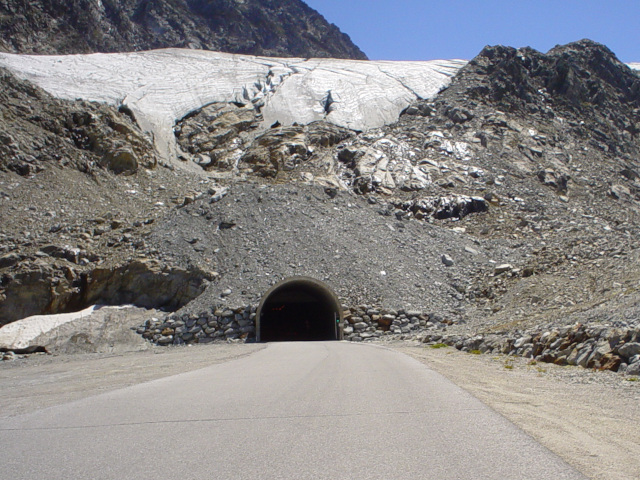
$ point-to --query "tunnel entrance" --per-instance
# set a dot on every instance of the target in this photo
(299, 309)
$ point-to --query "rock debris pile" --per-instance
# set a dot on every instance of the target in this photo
(601, 347)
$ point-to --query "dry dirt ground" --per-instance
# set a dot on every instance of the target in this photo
(43, 381)
(588, 418)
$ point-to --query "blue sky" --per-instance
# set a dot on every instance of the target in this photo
(427, 30)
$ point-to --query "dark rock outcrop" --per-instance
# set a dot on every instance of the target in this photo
(582, 81)
(57, 288)
(286, 28)
(38, 129)
(577, 75)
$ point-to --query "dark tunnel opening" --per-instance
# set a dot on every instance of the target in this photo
(299, 309)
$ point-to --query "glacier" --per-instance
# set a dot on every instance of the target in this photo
(162, 86)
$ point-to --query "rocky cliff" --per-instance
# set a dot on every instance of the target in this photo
(286, 28)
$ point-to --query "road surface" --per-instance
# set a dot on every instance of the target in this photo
(321, 410)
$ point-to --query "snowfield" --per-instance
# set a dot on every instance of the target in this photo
(20, 334)
(162, 86)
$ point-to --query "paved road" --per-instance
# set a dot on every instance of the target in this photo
(329, 410)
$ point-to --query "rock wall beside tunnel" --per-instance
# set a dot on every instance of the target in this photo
(37, 289)
(221, 324)
(594, 346)
(216, 324)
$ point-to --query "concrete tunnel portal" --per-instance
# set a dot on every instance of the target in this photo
(299, 309)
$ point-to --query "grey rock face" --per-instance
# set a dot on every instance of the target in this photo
(629, 350)
(273, 28)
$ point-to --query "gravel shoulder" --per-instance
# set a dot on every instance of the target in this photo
(42, 381)
(588, 418)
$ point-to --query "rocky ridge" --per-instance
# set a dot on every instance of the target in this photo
(287, 28)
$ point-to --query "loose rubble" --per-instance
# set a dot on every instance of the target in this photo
(600, 347)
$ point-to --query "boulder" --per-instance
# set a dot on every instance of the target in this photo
(629, 350)
(9, 260)
(121, 161)
(503, 268)
(620, 192)
(555, 180)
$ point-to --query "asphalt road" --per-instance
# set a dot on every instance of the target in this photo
(329, 410)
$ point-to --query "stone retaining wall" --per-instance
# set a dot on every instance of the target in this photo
(601, 347)
(369, 323)
(223, 324)
(218, 324)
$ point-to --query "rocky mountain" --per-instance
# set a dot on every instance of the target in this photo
(286, 28)
(500, 214)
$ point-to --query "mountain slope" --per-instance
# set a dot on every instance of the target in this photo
(510, 200)
(271, 28)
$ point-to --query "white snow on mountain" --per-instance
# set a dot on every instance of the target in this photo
(21, 333)
(162, 86)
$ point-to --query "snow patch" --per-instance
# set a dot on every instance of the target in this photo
(21, 333)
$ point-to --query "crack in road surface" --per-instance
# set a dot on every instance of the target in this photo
(234, 419)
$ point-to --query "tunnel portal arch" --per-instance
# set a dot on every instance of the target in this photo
(299, 309)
